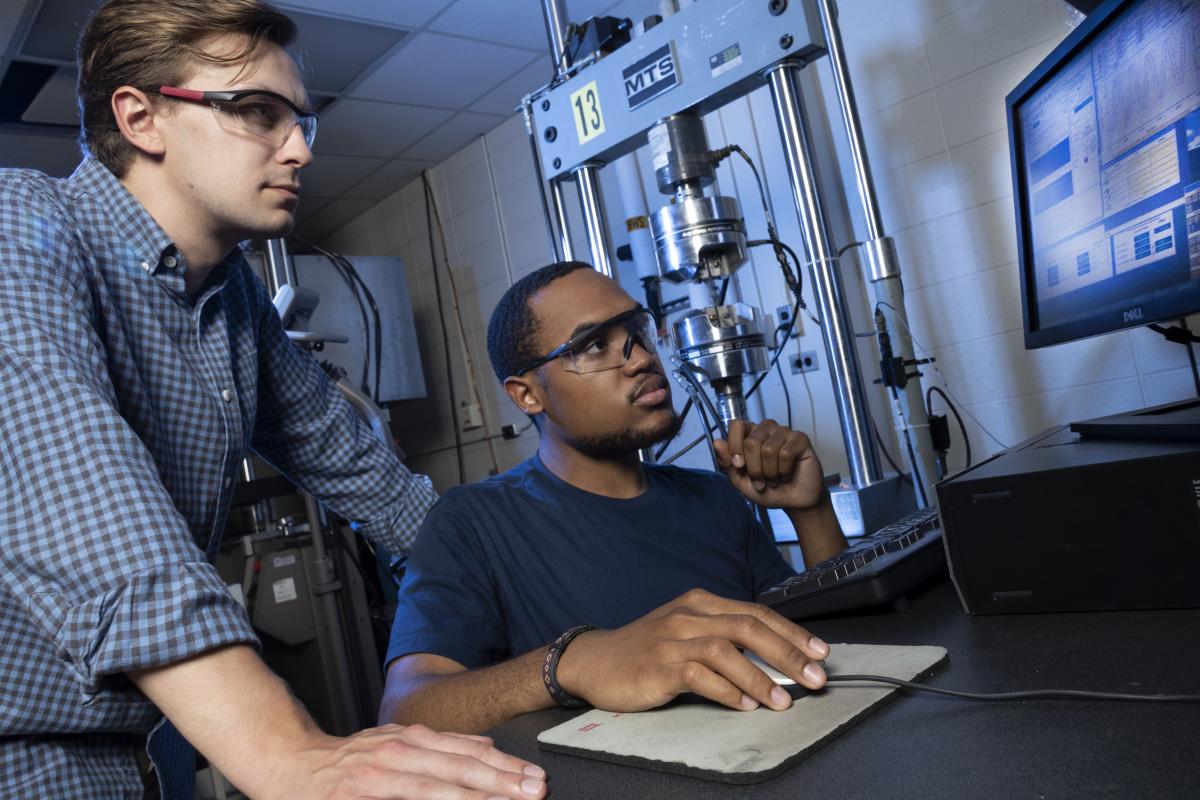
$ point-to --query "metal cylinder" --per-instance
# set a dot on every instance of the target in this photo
(883, 265)
(845, 93)
(679, 153)
(280, 270)
(699, 238)
(554, 12)
(849, 391)
(587, 177)
(731, 403)
(560, 217)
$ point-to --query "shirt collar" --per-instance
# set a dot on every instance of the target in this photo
(146, 245)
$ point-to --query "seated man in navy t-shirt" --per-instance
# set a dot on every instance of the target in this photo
(664, 561)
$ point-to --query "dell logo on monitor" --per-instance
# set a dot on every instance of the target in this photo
(1134, 314)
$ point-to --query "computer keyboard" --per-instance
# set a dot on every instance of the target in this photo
(878, 568)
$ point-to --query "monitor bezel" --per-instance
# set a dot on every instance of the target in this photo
(1050, 66)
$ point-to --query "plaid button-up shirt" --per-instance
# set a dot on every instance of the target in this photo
(125, 411)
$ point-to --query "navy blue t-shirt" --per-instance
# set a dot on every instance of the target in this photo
(504, 566)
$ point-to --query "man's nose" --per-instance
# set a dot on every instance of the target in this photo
(295, 149)
(638, 355)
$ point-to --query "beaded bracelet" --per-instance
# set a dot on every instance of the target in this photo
(550, 668)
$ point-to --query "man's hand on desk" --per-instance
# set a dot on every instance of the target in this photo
(245, 721)
(691, 645)
(395, 761)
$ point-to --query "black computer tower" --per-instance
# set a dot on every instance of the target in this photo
(1065, 523)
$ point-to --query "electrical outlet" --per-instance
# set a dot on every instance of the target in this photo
(804, 361)
(470, 417)
(784, 314)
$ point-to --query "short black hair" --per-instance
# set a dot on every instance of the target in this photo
(513, 327)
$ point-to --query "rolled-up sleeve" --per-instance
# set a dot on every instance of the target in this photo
(92, 545)
(308, 431)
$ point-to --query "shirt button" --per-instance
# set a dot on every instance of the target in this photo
(146, 266)
(170, 261)
(226, 395)
(228, 482)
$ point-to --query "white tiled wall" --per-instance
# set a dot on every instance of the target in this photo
(930, 78)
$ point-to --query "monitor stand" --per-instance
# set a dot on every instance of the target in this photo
(1176, 422)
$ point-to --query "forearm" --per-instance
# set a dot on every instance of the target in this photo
(818, 530)
(239, 714)
(469, 701)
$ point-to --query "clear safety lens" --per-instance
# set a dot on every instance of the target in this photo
(267, 117)
(611, 346)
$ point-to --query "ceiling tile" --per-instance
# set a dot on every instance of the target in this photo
(330, 176)
(406, 13)
(389, 178)
(517, 22)
(507, 96)
(14, 10)
(336, 51)
(54, 155)
(55, 103)
(310, 205)
(365, 128)
(56, 28)
(435, 70)
(453, 136)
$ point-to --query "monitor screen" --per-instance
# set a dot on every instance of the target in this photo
(1105, 140)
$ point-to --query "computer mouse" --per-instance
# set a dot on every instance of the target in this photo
(794, 689)
(774, 674)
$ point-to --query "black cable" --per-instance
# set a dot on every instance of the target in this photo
(686, 449)
(721, 294)
(567, 36)
(1185, 337)
(362, 310)
(708, 428)
(687, 371)
(753, 388)
(945, 397)
(378, 320)
(794, 280)
(378, 323)
(437, 288)
(797, 267)
(775, 358)
(687, 407)
(1033, 694)
(787, 396)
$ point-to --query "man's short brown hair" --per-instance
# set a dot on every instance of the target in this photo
(152, 43)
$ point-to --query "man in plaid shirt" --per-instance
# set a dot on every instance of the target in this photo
(139, 359)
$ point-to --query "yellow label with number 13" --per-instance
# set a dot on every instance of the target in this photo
(585, 106)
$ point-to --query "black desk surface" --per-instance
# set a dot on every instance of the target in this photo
(924, 745)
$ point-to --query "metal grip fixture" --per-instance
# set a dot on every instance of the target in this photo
(724, 344)
(696, 236)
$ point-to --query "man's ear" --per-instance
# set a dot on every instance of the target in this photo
(526, 393)
(137, 117)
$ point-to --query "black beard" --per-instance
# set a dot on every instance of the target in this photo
(628, 440)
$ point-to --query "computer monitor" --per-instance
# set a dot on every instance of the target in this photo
(1105, 144)
(1105, 147)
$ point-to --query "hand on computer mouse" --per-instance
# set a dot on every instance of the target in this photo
(692, 645)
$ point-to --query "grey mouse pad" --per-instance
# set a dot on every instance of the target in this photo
(704, 740)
